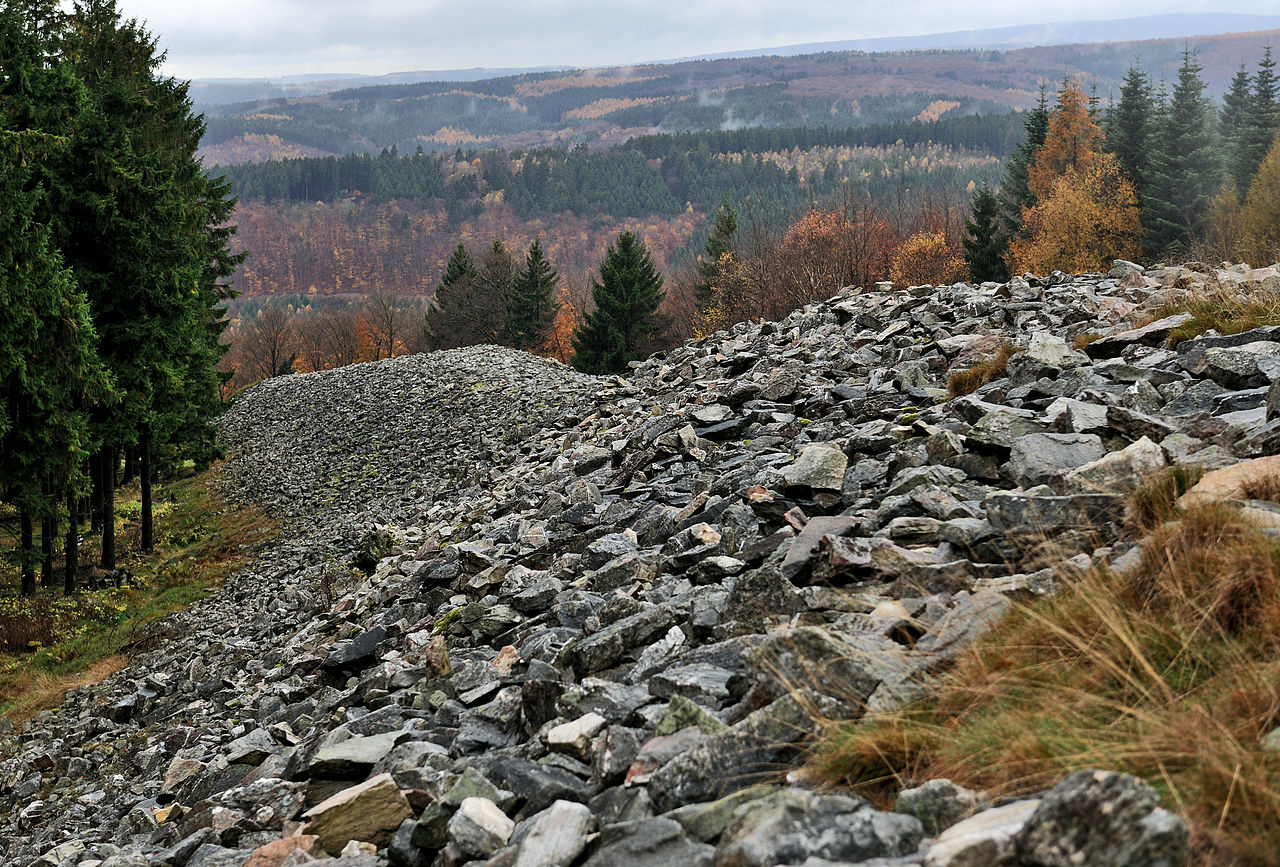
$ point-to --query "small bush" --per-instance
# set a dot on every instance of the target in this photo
(1153, 503)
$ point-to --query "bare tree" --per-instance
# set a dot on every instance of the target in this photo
(266, 345)
(390, 315)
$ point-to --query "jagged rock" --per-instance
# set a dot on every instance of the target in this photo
(793, 825)
(556, 836)
(1118, 472)
(479, 828)
(1096, 817)
(986, 838)
(657, 842)
(938, 804)
(1041, 458)
(820, 467)
(370, 812)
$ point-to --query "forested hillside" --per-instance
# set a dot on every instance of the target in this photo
(606, 106)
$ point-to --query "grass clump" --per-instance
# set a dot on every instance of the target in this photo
(1154, 503)
(1170, 672)
(971, 379)
(52, 643)
(1224, 309)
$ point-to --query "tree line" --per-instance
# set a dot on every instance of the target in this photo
(1161, 173)
(116, 246)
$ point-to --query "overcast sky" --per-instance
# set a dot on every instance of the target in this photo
(256, 38)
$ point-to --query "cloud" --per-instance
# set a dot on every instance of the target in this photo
(277, 37)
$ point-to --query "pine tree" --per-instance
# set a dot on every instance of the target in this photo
(627, 296)
(1128, 126)
(985, 245)
(532, 307)
(1186, 166)
(1015, 193)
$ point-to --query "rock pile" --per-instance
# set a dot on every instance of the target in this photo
(591, 621)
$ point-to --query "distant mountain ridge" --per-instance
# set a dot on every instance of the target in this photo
(226, 91)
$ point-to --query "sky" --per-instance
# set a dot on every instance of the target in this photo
(265, 38)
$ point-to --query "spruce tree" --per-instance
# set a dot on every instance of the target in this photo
(1263, 120)
(626, 296)
(1128, 126)
(1233, 122)
(1186, 166)
(49, 369)
(532, 306)
(721, 241)
(985, 245)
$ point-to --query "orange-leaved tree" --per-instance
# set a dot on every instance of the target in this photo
(927, 258)
(1087, 219)
(1086, 212)
(1074, 141)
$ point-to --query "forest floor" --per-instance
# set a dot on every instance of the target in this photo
(53, 643)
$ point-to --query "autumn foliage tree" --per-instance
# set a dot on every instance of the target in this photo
(1086, 212)
(1086, 220)
(927, 258)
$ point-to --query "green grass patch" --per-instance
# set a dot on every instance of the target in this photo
(1170, 672)
(52, 642)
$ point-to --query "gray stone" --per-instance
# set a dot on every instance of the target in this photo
(657, 842)
(1041, 458)
(556, 836)
(819, 467)
(479, 828)
(1118, 472)
(938, 804)
(793, 825)
(982, 840)
(1098, 817)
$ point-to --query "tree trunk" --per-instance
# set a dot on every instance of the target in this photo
(48, 528)
(73, 545)
(130, 466)
(28, 555)
(144, 461)
(95, 491)
(108, 467)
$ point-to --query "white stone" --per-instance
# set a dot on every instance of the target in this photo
(983, 839)
(575, 737)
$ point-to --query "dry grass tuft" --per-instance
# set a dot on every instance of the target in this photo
(1170, 672)
(970, 380)
(1154, 503)
(1227, 309)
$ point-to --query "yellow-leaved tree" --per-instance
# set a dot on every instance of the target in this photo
(1261, 216)
(1086, 211)
(1088, 219)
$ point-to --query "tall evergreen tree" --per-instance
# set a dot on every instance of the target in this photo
(146, 234)
(985, 245)
(49, 369)
(1263, 120)
(1127, 125)
(721, 241)
(1186, 165)
(532, 306)
(1233, 122)
(627, 296)
(1015, 192)
(470, 304)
